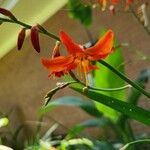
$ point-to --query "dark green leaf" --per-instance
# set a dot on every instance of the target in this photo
(131, 110)
(102, 145)
(100, 122)
(79, 11)
(135, 94)
(142, 80)
(87, 106)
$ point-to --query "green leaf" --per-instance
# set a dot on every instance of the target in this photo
(102, 145)
(81, 12)
(87, 106)
(125, 78)
(100, 122)
(135, 142)
(134, 95)
(105, 78)
(72, 142)
(131, 110)
(141, 80)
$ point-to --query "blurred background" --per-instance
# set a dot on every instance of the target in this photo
(24, 82)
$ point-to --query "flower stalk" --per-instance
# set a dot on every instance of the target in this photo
(136, 86)
(44, 31)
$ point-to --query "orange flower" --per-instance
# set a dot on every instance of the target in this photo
(104, 3)
(55, 55)
(79, 57)
(128, 3)
(114, 2)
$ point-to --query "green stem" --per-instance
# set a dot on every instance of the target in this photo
(110, 89)
(125, 78)
(102, 62)
(120, 133)
(99, 89)
(135, 142)
(29, 27)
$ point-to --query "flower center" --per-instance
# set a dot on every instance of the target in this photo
(83, 67)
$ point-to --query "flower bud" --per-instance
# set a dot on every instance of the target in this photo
(21, 37)
(7, 13)
(85, 90)
(34, 35)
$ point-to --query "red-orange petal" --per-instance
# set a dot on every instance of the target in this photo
(58, 64)
(114, 1)
(35, 38)
(71, 46)
(129, 2)
(91, 67)
(21, 37)
(103, 47)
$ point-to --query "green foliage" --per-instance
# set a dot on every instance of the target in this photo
(134, 95)
(81, 12)
(87, 106)
(131, 110)
(98, 122)
(105, 78)
(141, 80)
(81, 141)
(135, 142)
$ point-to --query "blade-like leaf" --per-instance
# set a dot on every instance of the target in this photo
(131, 110)
(87, 106)
(104, 78)
(142, 80)
(135, 94)
(73, 142)
(135, 142)
(100, 122)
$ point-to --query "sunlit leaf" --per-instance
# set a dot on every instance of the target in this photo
(135, 142)
(104, 78)
(81, 141)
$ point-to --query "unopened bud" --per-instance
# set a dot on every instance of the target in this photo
(21, 37)
(7, 13)
(85, 90)
(34, 35)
